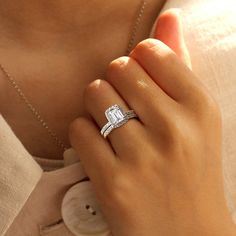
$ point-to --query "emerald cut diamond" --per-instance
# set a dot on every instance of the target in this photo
(115, 115)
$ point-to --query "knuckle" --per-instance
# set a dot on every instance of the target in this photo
(148, 43)
(202, 101)
(152, 46)
(172, 135)
(212, 108)
(94, 89)
(177, 144)
(161, 51)
(120, 185)
(208, 102)
(116, 66)
(119, 62)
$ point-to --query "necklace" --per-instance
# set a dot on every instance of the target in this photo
(36, 113)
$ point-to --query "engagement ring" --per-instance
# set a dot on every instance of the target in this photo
(116, 118)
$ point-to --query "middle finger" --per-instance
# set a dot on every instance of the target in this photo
(139, 90)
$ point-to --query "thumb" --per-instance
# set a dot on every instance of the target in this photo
(169, 30)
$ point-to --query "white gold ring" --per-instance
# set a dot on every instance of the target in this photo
(116, 118)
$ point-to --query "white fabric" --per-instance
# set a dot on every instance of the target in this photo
(19, 174)
(210, 32)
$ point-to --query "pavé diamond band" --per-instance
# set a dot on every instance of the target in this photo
(116, 117)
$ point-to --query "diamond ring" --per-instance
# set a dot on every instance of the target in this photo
(116, 117)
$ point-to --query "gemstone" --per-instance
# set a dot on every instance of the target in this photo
(115, 115)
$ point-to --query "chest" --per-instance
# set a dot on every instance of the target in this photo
(53, 80)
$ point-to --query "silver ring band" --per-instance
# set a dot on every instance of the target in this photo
(116, 118)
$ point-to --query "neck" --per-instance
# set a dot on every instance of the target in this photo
(61, 22)
(55, 16)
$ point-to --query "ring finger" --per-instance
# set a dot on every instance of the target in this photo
(98, 97)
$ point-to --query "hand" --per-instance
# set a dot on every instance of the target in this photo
(161, 174)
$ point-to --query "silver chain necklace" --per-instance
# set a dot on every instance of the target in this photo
(36, 113)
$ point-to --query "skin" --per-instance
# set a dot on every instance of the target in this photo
(160, 174)
(48, 47)
(180, 177)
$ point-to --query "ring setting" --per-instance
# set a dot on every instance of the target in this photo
(116, 117)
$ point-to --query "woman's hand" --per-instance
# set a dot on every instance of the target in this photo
(161, 174)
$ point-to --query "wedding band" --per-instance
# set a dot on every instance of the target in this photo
(116, 117)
